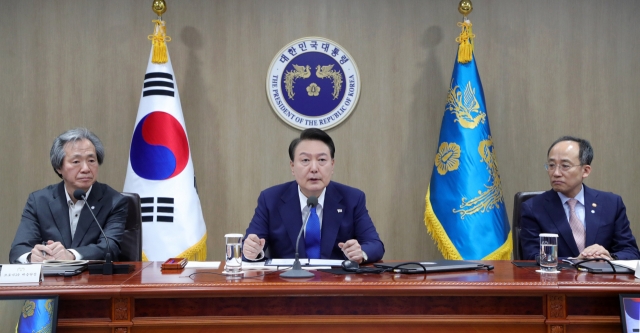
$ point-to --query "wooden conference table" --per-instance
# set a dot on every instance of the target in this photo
(506, 299)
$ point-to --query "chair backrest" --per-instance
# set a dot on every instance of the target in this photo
(518, 199)
(131, 246)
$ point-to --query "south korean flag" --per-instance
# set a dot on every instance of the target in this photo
(160, 170)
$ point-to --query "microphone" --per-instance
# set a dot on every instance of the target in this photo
(296, 271)
(108, 268)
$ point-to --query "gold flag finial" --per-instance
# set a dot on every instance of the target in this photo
(465, 7)
(159, 7)
(159, 38)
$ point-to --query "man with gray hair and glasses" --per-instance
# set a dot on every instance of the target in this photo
(57, 226)
(589, 223)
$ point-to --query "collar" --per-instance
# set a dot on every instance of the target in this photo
(69, 201)
(303, 199)
(579, 196)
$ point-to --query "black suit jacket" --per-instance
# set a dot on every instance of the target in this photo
(46, 217)
(605, 218)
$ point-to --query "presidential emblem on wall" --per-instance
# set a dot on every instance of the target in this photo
(313, 82)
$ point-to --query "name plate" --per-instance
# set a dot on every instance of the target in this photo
(21, 273)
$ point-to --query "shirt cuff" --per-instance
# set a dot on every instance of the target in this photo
(258, 258)
(75, 253)
(23, 258)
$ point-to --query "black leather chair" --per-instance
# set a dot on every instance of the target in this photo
(518, 199)
(131, 246)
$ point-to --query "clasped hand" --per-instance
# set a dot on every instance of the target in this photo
(595, 251)
(50, 251)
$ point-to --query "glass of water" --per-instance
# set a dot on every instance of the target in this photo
(548, 252)
(233, 257)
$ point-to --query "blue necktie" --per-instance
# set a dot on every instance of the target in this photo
(312, 235)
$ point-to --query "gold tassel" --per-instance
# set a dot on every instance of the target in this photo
(465, 50)
(437, 232)
(503, 252)
(197, 252)
(159, 41)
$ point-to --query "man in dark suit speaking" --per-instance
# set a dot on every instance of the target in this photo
(57, 226)
(589, 223)
(339, 227)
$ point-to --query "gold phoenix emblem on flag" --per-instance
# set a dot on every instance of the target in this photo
(49, 305)
(492, 197)
(465, 106)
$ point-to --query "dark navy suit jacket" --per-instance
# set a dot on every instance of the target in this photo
(605, 217)
(46, 217)
(278, 219)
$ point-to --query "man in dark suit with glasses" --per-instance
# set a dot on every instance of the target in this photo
(589, 223)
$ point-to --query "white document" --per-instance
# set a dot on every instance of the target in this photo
(260, 266)
(65, 262)
(203, 264)
(630, 264)
(257, 266)
(304, 262)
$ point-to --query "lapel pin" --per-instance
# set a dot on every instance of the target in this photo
(93, 207)
(593, 211)
(339, 210)
(594, 204)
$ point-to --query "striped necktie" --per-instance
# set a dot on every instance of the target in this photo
(312, 235)
(576, 225)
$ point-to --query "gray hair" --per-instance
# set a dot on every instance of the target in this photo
(73, 135)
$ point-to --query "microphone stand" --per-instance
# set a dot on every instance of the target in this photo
(296, 270)
(108, 267)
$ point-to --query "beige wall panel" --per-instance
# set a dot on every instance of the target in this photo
(548, 68)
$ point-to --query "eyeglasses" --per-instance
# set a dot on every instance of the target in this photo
(564, 167)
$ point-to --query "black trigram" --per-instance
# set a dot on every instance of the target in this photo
(158, 84)
(158, 209)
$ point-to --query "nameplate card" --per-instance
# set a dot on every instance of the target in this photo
(28, 273)
(637, 273)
